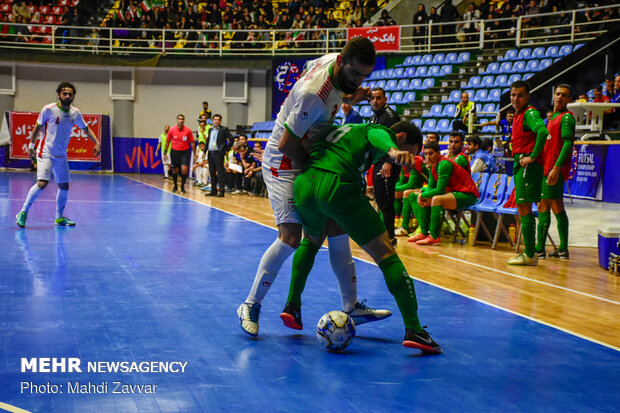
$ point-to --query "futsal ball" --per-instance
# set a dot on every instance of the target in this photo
(335, 330)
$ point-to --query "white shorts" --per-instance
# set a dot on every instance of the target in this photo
(47, 165)
(165, 158)
(281, 193)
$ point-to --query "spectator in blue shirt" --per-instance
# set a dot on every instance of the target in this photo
(480, 160)
(350, 115)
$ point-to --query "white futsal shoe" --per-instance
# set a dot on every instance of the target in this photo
(248, 318)
(361, 313)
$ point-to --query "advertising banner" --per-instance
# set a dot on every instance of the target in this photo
(588, 171)
(385, 38)
(137, 155)
(80, 147)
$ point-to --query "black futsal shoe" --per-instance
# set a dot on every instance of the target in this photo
(291, 316)
(422, 341)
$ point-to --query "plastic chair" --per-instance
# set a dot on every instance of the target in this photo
(429, 125)
(408, 61)
(552, 51)
(433, 71)
(505, 67)
(509, 55)
(474, 81)
(428, 83)
(445, 70)
(545, 63)
(492, 198)
(399, 73)
(518, 66)
(494, 95)
(443, 126)
(417, 60)
(389, 73)
(448, 111)
(434, 112)
(410, 72)
(381, 83)
(417, 122)
(365, 111)
(487, 81)
(421, 71)
(415, 84)
(527, 76)
(403, 84)
(397, 98)
(427, 59)
(532, 66)
(439, 58)
(524, 53)
(450, 58)
(492, 68)
(565, 50)
(501, 80)
(481, 95)
(455, 96)
(409, 97)
(514, 78)
(391, 85)
(463, 57)
(538, 53)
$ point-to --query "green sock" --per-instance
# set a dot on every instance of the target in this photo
(406, 213)
(422, 214)
(436, 214)
(401, 286)
(544, 219)
(398, 206)
(303, 260)
(528, 227)
(562, 219)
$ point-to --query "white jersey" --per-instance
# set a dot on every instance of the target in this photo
(308, 112)
(57, 125)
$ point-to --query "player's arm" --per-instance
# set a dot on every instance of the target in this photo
(532, 121)
(444, 170)
(91, 135)
(158, 145)
(362, 93)
(304, 114)
(382, 140)
(290, 145)
(34, 137)
(568, 134)
(168, 140)
(461, 161)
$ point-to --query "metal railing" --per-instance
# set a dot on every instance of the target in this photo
(560, 27)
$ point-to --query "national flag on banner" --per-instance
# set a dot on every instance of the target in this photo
(132, 13)
(146, 5)
(139, 13)
(119, 15)
(158, 3)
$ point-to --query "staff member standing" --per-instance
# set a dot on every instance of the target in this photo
(220, 141)
(385, 173)
(180, 137)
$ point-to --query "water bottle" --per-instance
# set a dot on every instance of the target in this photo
(471, 235)
(512, 232)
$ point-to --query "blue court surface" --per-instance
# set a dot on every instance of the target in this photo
(147, 276)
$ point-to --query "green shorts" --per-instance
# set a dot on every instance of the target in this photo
(528, 181)
(320, 195)
(464, 199)
(554, 191)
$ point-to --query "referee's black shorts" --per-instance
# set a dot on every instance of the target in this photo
(178, 158)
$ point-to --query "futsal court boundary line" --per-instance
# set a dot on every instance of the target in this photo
(12, 409)
(573, 333)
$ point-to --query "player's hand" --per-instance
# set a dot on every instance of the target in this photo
(386, 170)
(97, 149)
(362, 93)
(526, 160)
(258, 154)
(31, 153)
(400, 158)
(553, 176)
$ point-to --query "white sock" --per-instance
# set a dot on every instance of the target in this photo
(342, 263)
(166, 170)
(33, 194)
(61, 201)
(268, 269)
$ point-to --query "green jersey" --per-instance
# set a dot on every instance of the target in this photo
(351, 149)
(162, 142)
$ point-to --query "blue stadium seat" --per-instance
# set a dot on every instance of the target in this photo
(381, 83)
(427, 59)
(421, 71)
(403, 84)
(372, 84)
(514, 78)
(565, 50)
(509, 55)
(408, 61)
(445, 70)
(380, 74)
(552, 51)
(463, 57)
(417, 60)
(545, 63)
(527, 76)
(448, 111)
(366, 111)
(470, 92)
(489, 107)
(434, 112)
(532, 65)
(491, 198)
(396, 98)
(391, 84)
(501, 80)
(410, 72)
(399, 73)
(389, 73)
(364, 83)
(433, 71)
(439, 58)
(494, 95)
(445, 138)
(417, 122)
(505, 67)
(443, 126)
(487, 81)
(409, 97)
(524, 53)
(429, 125)
(538, 53)
(478, 107)
(454, 96)
(428, 83)
(518, 66)
(388, 95)
(481, 95)
(474, 81)
(415, 84)
(450, 58)
(578, 46)
(491, 69)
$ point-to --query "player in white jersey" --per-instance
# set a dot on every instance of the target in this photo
(55, 121)
(305, 115)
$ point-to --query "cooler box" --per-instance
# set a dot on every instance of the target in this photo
(608, 237)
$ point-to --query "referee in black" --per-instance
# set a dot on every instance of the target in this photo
(385, 173)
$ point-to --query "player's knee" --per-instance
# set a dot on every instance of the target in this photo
(42, 184)
(64, 186)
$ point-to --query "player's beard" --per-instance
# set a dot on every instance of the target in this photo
(66, 102)
(347, 86)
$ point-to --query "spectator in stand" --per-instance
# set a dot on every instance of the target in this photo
(350, 114)
(484, 8)
(531, 9)
(420, 19)
(481, 160)
(449, 14)
(385, 19)
(21, 9)
(598, 95)
(469, 17)
(464, 110)
(614, 118)
(433, 19)
(609, 87)
(563, 25)
(22, 34)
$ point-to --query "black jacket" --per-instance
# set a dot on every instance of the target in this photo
(385, 116)
(224, 139)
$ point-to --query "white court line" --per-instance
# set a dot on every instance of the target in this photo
(531, 279)
(12, 409)
(98, 201)
(593, 340)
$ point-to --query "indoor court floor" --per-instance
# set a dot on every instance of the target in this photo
(150, 276)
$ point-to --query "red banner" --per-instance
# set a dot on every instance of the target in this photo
(385, 38)
(80, 147)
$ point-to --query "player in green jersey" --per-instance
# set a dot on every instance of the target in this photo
(165, 157)
(529, 136)
(556, 164)
(331, 187)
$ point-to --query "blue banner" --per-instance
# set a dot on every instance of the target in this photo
(137, 155)
(588, 172)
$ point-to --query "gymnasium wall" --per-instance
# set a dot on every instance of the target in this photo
(160, 94)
